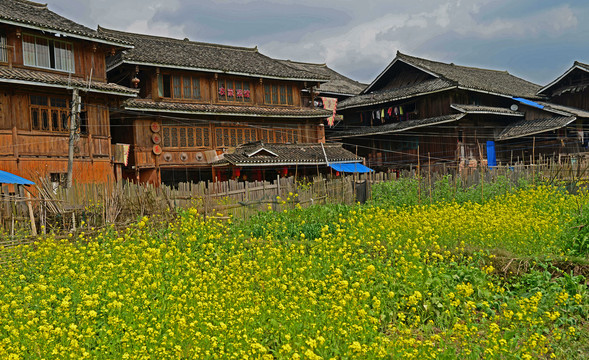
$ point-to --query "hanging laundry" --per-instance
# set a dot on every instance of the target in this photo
(400, 110)
(382, 116)
(330, 104)
(396, 110)
(390, 111)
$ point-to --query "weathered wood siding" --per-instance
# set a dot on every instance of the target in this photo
(89, 57)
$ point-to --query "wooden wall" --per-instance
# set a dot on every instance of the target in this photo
(85, 170)
(89, 57)
(208, 86)
(28, 152)
(577, 100)
(142, 143)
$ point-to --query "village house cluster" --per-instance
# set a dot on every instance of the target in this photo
(160, 110)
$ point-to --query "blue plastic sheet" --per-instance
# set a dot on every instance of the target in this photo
(8, 178)
(350, 167)
(491, 156)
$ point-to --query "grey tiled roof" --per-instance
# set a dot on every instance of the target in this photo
(396, 94)
(337, 84)
(287, 154)
(42, 78)
(564, 110)
(499, 82)
(480, 109)
(191, 55)
(531, 127)
(492, 81)
(237, 110)
(35, 15)
(396, 127)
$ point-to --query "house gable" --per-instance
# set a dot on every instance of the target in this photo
(575, 79)
(399, 74)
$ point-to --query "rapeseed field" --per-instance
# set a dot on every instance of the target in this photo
(333, 282)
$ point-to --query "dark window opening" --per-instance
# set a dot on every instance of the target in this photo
(166, 86)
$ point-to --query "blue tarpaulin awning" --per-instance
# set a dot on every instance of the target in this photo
(350, 167)
(528, 102)
(8, 178)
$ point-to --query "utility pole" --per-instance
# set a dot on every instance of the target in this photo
(73, 124)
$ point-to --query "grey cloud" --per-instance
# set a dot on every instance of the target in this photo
(535, 39)
(256, 21)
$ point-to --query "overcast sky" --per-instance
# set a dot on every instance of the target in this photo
(534, 39)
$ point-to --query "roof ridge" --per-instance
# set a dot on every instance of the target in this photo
(112, 32)
(33, 3)
(305, 63)
(452, 64)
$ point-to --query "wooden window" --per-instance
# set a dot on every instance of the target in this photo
(178, 87)
(234, 90)
(49, 113)
(267, 94)
(226, 137)
(289, 95)
(48, 53)
(174, 137)
(206, 137)
(275, 94)
(186, 87)
(185, 136)
(240, 136)
(278, 136)
(283, 94)
(198, 140)
(182, 136)
(195, 88)
(233, 137)
(190, 137)
(219, 137)
(83, 120)
(167, 138)
(3, 49)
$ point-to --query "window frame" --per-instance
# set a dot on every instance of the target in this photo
(51, 52)
(175, 89)
(3, 48)
(278, 94)
(49, 109)
(172, 134)
(238, 87)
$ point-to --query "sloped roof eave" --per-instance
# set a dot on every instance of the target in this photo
(397, 58)
(285, 163)
(502, 136)
(123, 92)
(396, 98)
(418, 124)
(485, 110)
(194, 68)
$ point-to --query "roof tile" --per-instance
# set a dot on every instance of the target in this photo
(396, 127)
(34, 77)
(531, 127)
(288, 154)
(395, 94)
(337, 84)
(214, 109)
(32, 14)
(158, 50)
